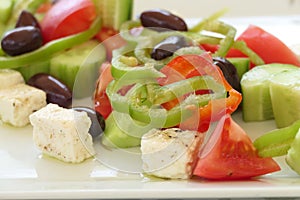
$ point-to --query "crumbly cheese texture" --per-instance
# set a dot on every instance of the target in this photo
(9, 77)
(170, 153)
(18, 102)
(62, 133)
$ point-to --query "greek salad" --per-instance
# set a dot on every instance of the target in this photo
(156, 84)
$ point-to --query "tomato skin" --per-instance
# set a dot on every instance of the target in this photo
(67, 17)
(229, 154)
(266, 45)
(101, 100)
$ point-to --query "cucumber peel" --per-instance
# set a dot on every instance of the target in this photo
(114, 136)
(115, 12)
(242, 65)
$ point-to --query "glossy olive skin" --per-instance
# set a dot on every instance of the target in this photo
(162, 20)
(56, 91)
(27, 19)
(229, 72)
(98, 122)
(168, 46)
(22, 40)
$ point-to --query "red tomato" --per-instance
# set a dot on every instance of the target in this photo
(67, 17)
(111, 40)
(230, 154)
(101, 101)
(266, 45)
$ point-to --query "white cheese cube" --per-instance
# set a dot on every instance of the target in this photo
(170, 153)
(18, 102)
(62, 133)
(9, 77)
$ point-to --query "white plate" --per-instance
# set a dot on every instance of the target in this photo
(24, 173)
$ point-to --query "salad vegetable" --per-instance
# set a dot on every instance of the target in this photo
(232, 149)
(165, 79)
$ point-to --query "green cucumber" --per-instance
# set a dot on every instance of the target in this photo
(276, 142)
(256, 103)
(114, 136)
(115, 12)
(285, 97)
(32, 69)
(78, 67)
(293, 155)
(6, 7)
(241, 64)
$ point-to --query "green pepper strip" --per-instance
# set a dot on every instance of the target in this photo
(121, 70)
(145, 99)
(239, 45)
(50, 48)
(198, 27)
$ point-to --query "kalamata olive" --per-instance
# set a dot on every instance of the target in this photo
(56, 91)
(229, 71)
(98, 123)
(27, 19)
(162, 20)
(168, 46)
(21, 40)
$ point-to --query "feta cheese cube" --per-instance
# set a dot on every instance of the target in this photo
(9, 77)
(18, 102)
(62, 133)
(170, 153)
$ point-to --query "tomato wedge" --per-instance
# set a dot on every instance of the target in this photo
(229, 154)
(66, 18)
(267, 46)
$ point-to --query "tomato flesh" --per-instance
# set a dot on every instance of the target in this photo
(229, 154)
(101, 100)
(66, 17)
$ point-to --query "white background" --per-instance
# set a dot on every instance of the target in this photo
(203, 8)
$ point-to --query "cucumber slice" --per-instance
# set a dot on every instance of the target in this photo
(78, 67)
(241, 64)
(6, 7)
(285, 95)
(115, 12)
(292, 157)
(116, 137)
(256, 103)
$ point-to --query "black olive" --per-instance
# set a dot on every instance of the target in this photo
(27, 19)
(57, 92)
(98, 123)
(162, 20)
(168, 46)
(229, 71)
(22, 40)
